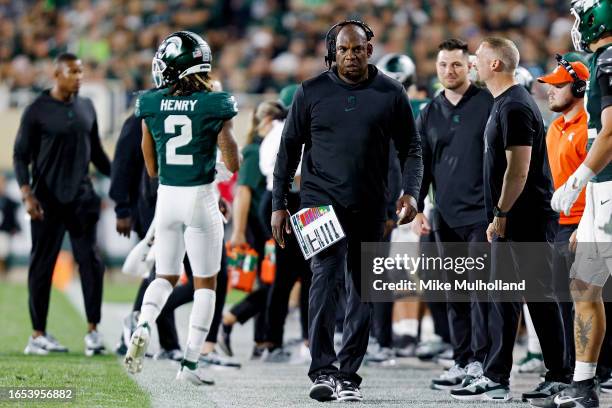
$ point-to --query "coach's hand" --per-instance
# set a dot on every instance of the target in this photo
(496, 228)
(33, 207)
(280, 224)
(406, 209)
(124, 226)
(421, 225)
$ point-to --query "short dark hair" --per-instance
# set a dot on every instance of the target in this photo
(65, 57)
(453, 44)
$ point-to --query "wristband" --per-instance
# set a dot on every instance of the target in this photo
(497, 212)
(581, 177)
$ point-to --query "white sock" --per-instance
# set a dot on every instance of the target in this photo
(584, 371)
(533, 344)
(154, 299)
(199, 322)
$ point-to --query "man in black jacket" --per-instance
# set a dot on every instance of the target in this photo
(345, 118)
(452, 127)
(58, 137)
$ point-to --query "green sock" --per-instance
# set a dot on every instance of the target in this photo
(189, 364)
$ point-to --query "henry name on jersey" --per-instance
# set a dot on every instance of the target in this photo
(175, 105)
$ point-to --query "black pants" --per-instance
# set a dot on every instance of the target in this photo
(438, 310)
(328, 269)
(382, 322)
(503, 317)
(562, 262)
(290, 267)
(79, 218)
(466, 317)
(254, 305)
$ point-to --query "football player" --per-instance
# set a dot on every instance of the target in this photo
(183, 121)
(401, 68)
(592, 32)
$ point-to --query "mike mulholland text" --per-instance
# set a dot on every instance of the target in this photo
(438, 285)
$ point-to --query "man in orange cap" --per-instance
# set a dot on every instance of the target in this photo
(566, 141)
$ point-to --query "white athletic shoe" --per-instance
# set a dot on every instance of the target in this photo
(197, 376)
(137, 349)
(43, 345)
(94, 344)
(531, 363)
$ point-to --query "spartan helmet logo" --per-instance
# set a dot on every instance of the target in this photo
(169, 48)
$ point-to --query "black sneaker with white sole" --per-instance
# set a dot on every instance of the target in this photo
(348, 391)
(323, 388)
(544, 389)
(482, 389)
(580, 394)
(224, 340)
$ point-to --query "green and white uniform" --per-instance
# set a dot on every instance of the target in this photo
(594, 255)
(185, 130)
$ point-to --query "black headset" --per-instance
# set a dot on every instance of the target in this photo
(330, 39)
(578, 85)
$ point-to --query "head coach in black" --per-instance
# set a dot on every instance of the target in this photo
(452, 127)
(345, 118)
(58, 137)
(518, 188)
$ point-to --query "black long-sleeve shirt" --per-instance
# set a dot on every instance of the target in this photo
(133, 191)
(59, 139)
(346, 132)
(452, 137)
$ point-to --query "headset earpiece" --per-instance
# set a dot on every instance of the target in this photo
(330, 38)
(578, 88)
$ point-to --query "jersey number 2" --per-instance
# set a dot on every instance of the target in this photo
(183, 139)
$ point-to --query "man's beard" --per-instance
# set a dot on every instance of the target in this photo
(561, 107)
(455, 85)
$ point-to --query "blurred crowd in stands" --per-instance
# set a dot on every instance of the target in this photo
(258, 46)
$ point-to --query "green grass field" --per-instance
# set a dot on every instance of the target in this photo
(98, 381)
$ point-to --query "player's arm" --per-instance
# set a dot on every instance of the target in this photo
(148, 151)
(600, 153)
(228, 146)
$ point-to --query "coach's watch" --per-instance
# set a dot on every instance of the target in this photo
(499, 213)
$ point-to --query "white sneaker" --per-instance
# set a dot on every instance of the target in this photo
(137, 349)
(174, 355)
(43, 345)
(473, 371)
(445, 359)
(198, 376)
(94, 344)
(302, 356)
(531, 363)
(130, 322)
(450, 379)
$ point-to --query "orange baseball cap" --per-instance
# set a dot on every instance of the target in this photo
(561, 76)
